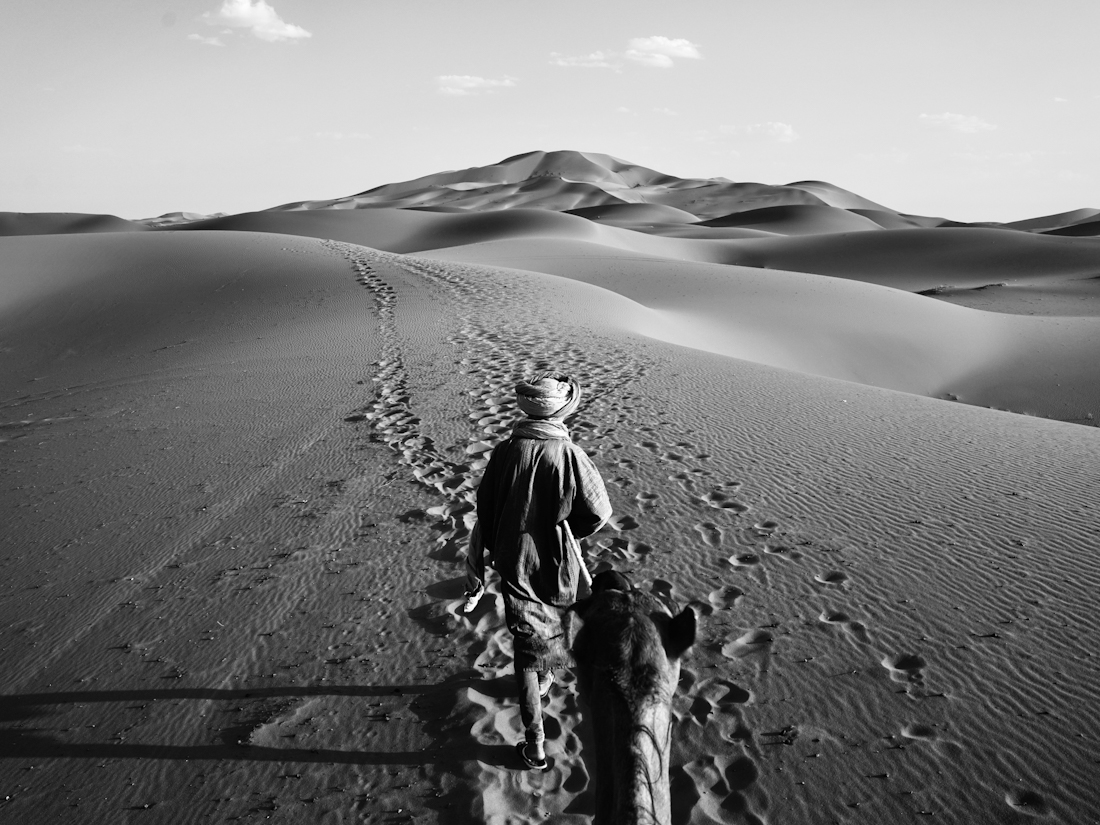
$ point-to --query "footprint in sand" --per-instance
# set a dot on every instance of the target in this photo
(744, 559)
(646, 500)
(684, 480)
(856, 630)
(754, 642)
(1027, 802)
(718, 696)
(620, 550)
(833, 577)
(905, 667)
(718, 789)
(782, 550)
(765, 528)
(922, 732)
(720, 500)
(710, 533)
(725, 597)
(621, 523)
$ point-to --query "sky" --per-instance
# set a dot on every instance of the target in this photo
(976, 110)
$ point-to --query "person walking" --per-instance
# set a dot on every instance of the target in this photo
(539, 494)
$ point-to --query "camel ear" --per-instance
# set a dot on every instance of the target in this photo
(681, 634)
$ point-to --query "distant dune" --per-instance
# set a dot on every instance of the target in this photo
(239, 460)
(1062, 220)
(63, 223)
(797, 220)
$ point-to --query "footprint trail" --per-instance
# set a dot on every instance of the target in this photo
(490, 356)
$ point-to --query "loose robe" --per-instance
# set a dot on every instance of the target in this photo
(539, 494)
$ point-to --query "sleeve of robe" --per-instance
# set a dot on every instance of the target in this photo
(589, 509)
(488, 496)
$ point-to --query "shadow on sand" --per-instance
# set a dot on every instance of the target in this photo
(443, 715)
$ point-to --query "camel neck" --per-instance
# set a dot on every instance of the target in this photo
(636, 779)
(650, 743)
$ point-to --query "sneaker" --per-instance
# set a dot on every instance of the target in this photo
(540, 765)
(472, 599)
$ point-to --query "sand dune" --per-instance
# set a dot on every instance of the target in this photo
(1039, 366)
(635, 214)
(833, 195)
(60, 223)
(836, 328)
(1085, 229)
(238, 459)
(923, 258)
(797, 220)
(1059, 221)
(577, 180)
(892, 220)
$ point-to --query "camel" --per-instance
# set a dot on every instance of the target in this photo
(628, 646)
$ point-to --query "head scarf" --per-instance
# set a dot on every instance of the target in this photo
(548, 395)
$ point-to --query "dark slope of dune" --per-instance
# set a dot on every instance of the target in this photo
(833, 195)
(1059, 221)
(1085, 229)
(918, 259)
(797, 220)
(894, 220)
(635, 214)
(63, 223)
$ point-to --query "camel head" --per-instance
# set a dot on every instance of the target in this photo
(627, 645)
(627, 641)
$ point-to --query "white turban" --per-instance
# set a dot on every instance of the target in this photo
(548, 396)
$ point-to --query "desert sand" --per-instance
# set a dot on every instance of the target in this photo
(238, 457)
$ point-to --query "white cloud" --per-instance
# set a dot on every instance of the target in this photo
(658, 51)
(782, 132)
(256, 16)
(1061, 100)
(649, 51)
(464, 84)
(596, 60)
(967, 124)
(206, 41)
(664, 110)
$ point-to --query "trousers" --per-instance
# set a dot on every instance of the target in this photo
(530, 705)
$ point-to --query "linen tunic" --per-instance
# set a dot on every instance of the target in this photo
(539, 493)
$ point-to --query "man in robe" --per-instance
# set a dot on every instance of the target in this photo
(540, 493)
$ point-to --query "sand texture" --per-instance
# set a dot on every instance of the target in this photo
(239, 455)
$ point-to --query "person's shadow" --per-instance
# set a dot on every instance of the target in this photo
(452, 747)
